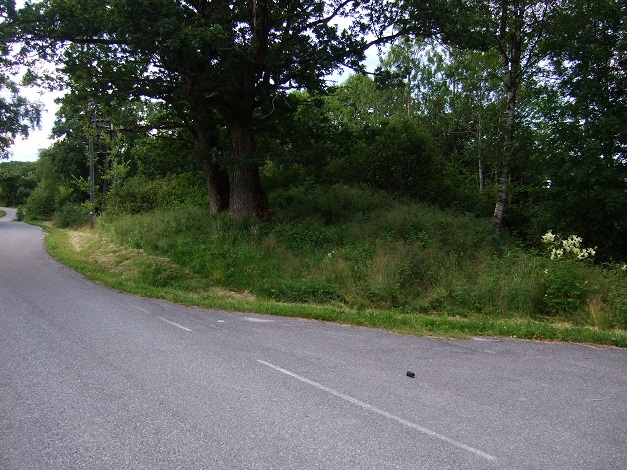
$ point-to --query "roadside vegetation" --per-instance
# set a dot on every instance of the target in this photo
(474, 183)
(370, 260)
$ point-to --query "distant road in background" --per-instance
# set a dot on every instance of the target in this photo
(10, 214)
(95, 379)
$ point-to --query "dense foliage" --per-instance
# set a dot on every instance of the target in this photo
(214, 63)
(17, 114)
(517, 105)
(361, 249)
(17, 181)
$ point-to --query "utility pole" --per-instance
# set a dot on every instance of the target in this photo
(99, 125)
(92, 174)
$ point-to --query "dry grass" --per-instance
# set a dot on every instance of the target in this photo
(597, 311)
(79, 239)
(227, 294)
(383, 272)
(121, 260)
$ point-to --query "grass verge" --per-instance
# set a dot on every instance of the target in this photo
(125, 268)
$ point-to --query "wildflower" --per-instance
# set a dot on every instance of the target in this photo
(548, 237)
(557, 253)
(567, 248)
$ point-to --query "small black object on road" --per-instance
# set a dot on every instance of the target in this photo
(411, 374)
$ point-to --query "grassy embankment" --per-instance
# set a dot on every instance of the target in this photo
(354, 257)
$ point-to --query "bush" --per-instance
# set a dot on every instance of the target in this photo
(401, 158)
(565, 289)
(616, 298)
(141, 194)
(72, 215)
(368, 251)
(41, 204)
(332, 204)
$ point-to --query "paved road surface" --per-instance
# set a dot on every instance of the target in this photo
(94, 379)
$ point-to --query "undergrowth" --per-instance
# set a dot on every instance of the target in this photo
(350, 248)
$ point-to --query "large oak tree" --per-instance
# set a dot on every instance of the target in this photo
(215, 62)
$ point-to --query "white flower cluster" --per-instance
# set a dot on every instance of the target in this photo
(548, 238)
(568, 248)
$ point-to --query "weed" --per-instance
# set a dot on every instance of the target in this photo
(392, 265)
(71, 215)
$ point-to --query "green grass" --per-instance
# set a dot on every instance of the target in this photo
(369, 261)
(2, 213)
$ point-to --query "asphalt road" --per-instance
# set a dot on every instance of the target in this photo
(95, 379)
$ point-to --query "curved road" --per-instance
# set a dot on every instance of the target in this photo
(94, 379)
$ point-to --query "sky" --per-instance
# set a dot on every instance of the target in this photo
(26, 149)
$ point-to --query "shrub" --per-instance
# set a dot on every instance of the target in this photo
(141, 194)
(565, 289)
(402, 158)
(41, 204)
(20, 215)
(566, 248)
(332, 204)
(71, 215)
(616, 301)
(409, 257)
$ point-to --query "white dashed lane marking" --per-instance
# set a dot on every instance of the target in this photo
(383, 413)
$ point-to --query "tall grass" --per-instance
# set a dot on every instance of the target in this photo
(350, 247)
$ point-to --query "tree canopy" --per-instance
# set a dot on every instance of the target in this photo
(17, 114)
(512, 109)
(212, 61)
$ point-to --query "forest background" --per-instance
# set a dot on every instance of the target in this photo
(480, 170)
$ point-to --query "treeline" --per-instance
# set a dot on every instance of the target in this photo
(513, 111)
(17, 182)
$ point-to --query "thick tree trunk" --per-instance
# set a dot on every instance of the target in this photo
(247, 197)
(216, 177)
(217, 180)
